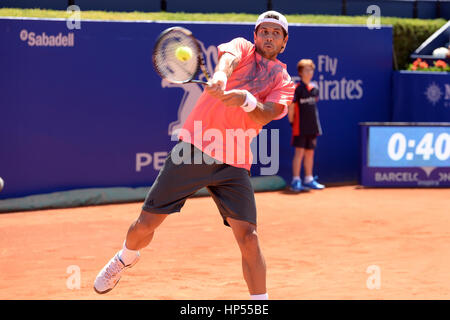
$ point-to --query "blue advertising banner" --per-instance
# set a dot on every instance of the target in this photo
(84, 108)
(405, 155)
(421, 96)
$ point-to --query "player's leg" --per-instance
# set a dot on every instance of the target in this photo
(232, 191)
(174, 184)
(139, 236)
(141, 232)
(253, 263)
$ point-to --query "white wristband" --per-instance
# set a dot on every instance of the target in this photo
(221, 76)
(250, 102)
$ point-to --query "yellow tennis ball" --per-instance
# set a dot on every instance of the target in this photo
(183, 53)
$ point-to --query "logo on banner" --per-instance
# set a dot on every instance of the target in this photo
(442, 176)
(44, 40)
(192, 91)
(434, 94)
(336, 89)
(60, 40)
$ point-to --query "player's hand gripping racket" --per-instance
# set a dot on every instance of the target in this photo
(177, 56)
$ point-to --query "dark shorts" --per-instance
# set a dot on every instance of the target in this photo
(229, 186)
(305, 141)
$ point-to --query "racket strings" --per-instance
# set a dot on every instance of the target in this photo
(166, 62)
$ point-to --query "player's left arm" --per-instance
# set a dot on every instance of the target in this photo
(266, 112)
(262, 114)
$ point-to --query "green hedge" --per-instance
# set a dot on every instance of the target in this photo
(408, 33)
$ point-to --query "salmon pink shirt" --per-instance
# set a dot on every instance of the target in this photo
(225, 133)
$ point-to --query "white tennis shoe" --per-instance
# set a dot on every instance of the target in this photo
(110, 275)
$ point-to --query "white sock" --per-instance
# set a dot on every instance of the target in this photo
(308, 179)
(295, 178)
(126, 255)
(263, 296)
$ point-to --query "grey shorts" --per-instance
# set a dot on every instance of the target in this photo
(229, 186)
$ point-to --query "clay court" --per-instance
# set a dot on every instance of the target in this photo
(317, 245)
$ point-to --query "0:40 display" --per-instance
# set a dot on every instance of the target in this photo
(399, 146)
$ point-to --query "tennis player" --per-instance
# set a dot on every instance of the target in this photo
(250, 88)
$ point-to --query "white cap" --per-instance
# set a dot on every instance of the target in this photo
(274, 17)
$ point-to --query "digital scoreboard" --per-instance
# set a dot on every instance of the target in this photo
(405, 154)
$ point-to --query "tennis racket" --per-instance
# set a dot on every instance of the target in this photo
(169, 66)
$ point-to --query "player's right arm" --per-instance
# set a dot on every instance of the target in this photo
(225, 67)
(230, 54)
(227, 63)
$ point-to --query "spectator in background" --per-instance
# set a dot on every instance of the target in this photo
(304, 119)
